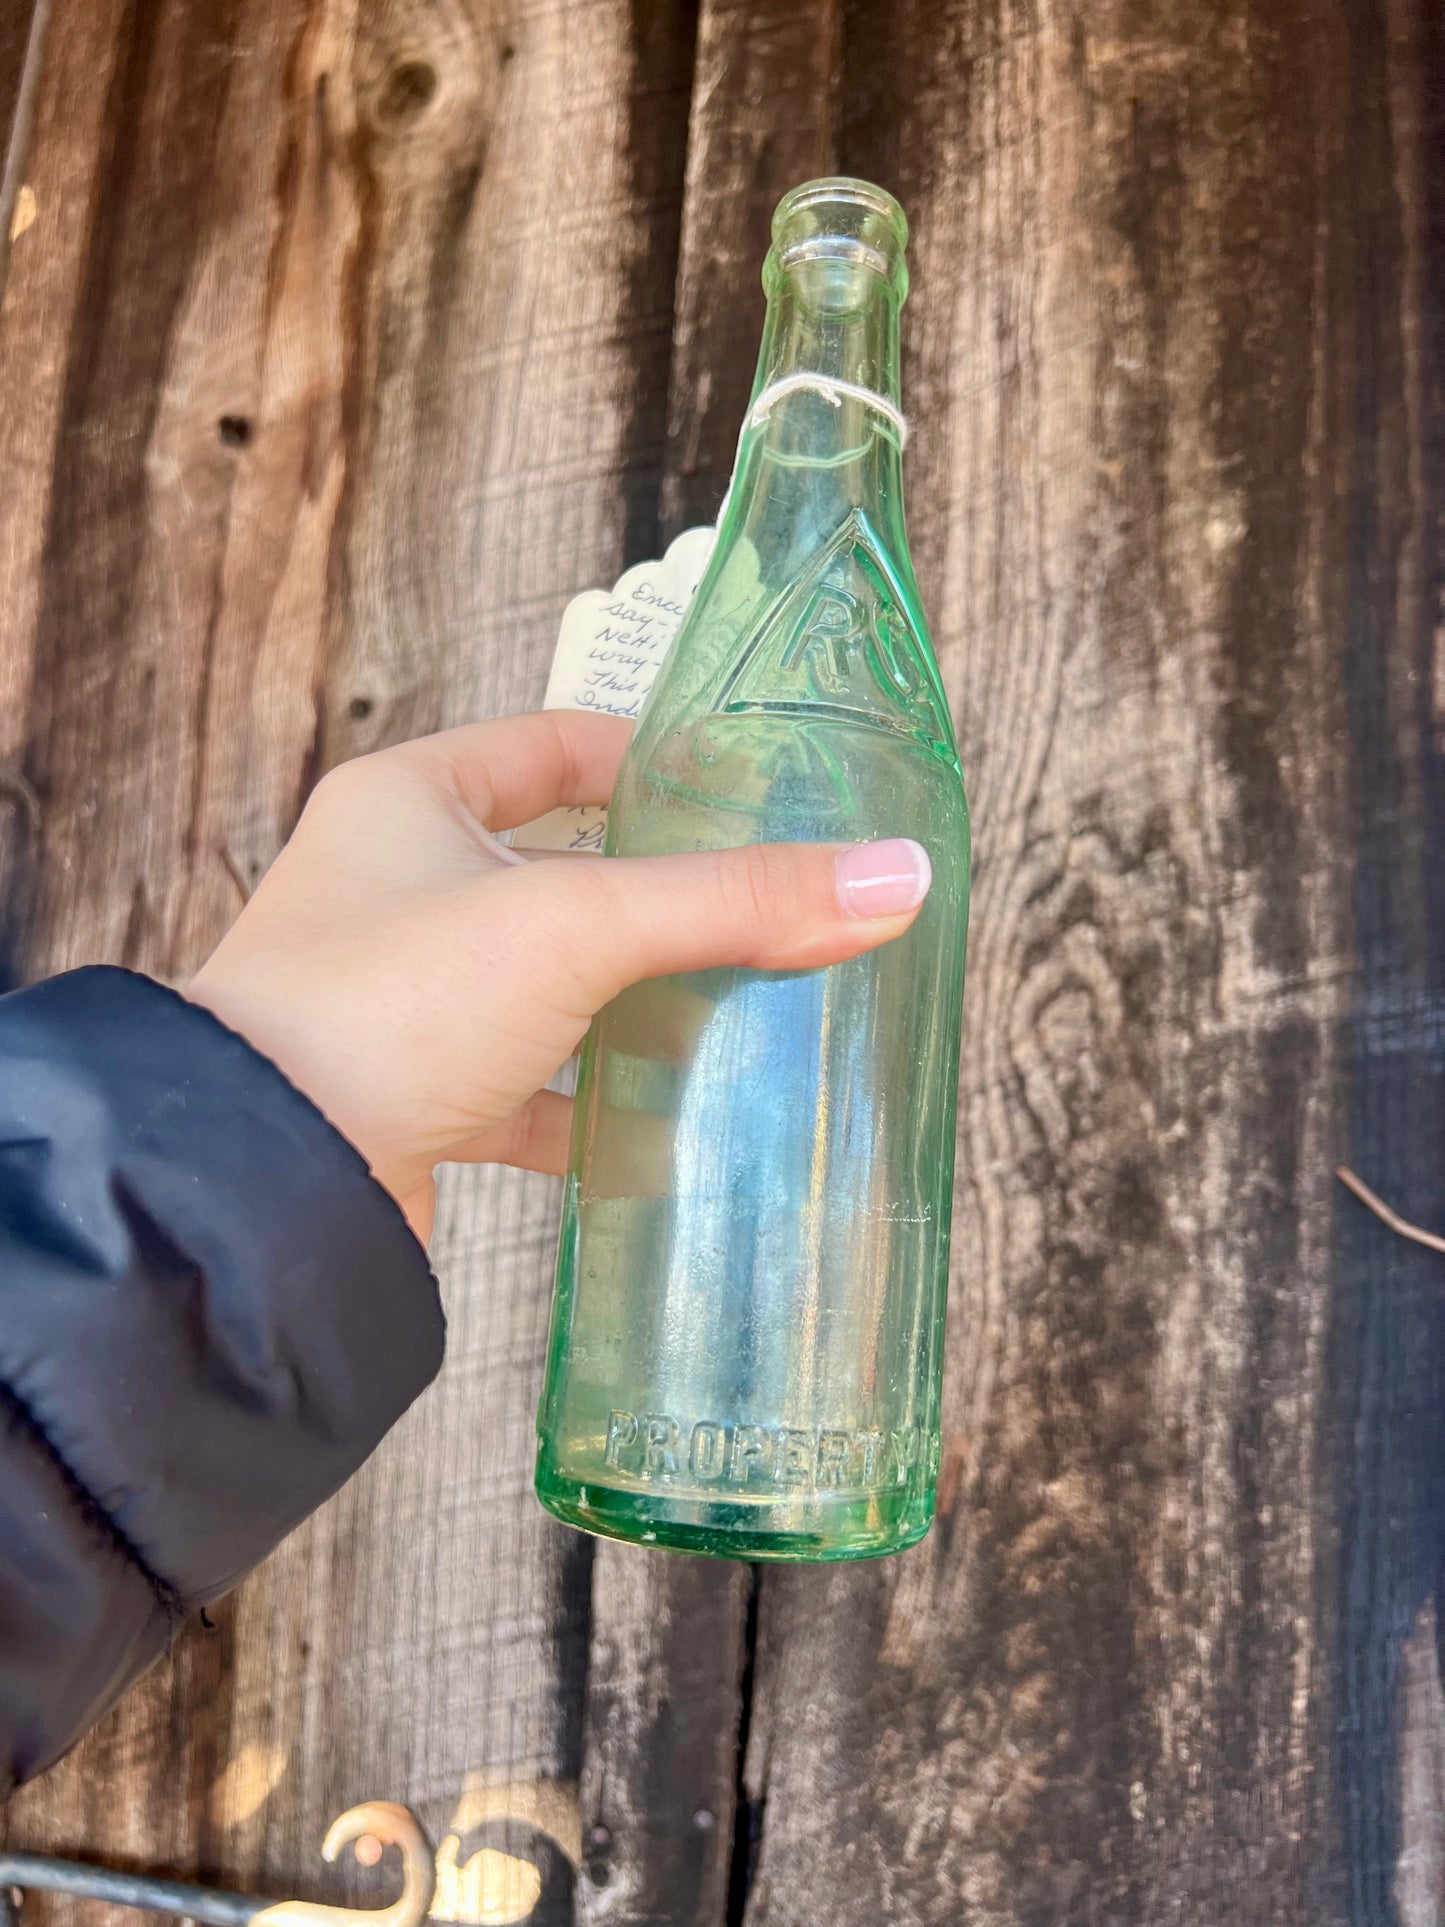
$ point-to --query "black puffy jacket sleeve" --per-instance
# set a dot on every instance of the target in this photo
(209, 1315)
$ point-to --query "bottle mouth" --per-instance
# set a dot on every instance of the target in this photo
(856, 227)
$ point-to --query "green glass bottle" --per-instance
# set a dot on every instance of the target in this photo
(747, 1335)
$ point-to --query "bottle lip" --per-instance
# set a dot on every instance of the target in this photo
(840, 218)
(845, 188)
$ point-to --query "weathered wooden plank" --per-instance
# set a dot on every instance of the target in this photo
(38, 305)
(115, 529)
(669, 1647)
(763, 105)
(521, 439)
(338, 315)
(1386, 562)
(520, 436)
(1173, 356)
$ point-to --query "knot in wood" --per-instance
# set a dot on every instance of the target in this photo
(406, 91)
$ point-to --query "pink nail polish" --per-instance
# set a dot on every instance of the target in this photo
(882, 879)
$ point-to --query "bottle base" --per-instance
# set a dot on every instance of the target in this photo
(809, 1534)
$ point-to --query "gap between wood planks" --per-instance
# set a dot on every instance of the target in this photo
(747, 1814)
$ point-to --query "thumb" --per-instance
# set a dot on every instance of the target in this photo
(769, 906)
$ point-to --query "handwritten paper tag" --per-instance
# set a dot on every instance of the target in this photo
(609, 650)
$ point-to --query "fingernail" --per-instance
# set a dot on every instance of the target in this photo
(882, 879)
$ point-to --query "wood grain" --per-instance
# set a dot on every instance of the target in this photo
(1170, 490)
(1387, 479)
(338, 330)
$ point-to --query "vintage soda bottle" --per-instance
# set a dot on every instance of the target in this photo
(747, 1335)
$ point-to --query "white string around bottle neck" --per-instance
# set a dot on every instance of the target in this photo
(834, 392)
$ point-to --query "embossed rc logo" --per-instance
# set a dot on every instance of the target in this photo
(838, 643)
(834, 624)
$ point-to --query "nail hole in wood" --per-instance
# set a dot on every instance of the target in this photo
(234, 430)
(407, 91)
(359, 708)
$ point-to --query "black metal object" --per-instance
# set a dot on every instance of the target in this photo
(39, 1871)
(378, 1823)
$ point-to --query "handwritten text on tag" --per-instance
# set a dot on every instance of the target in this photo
(609, 650)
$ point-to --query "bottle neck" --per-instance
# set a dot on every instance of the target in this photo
(812, 453)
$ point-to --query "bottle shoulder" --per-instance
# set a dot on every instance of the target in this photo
(839, 637)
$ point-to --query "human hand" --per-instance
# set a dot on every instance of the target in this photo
(421, 990)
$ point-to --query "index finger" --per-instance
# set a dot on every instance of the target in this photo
(508, 771)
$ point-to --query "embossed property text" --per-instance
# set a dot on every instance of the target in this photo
(658, 1447)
